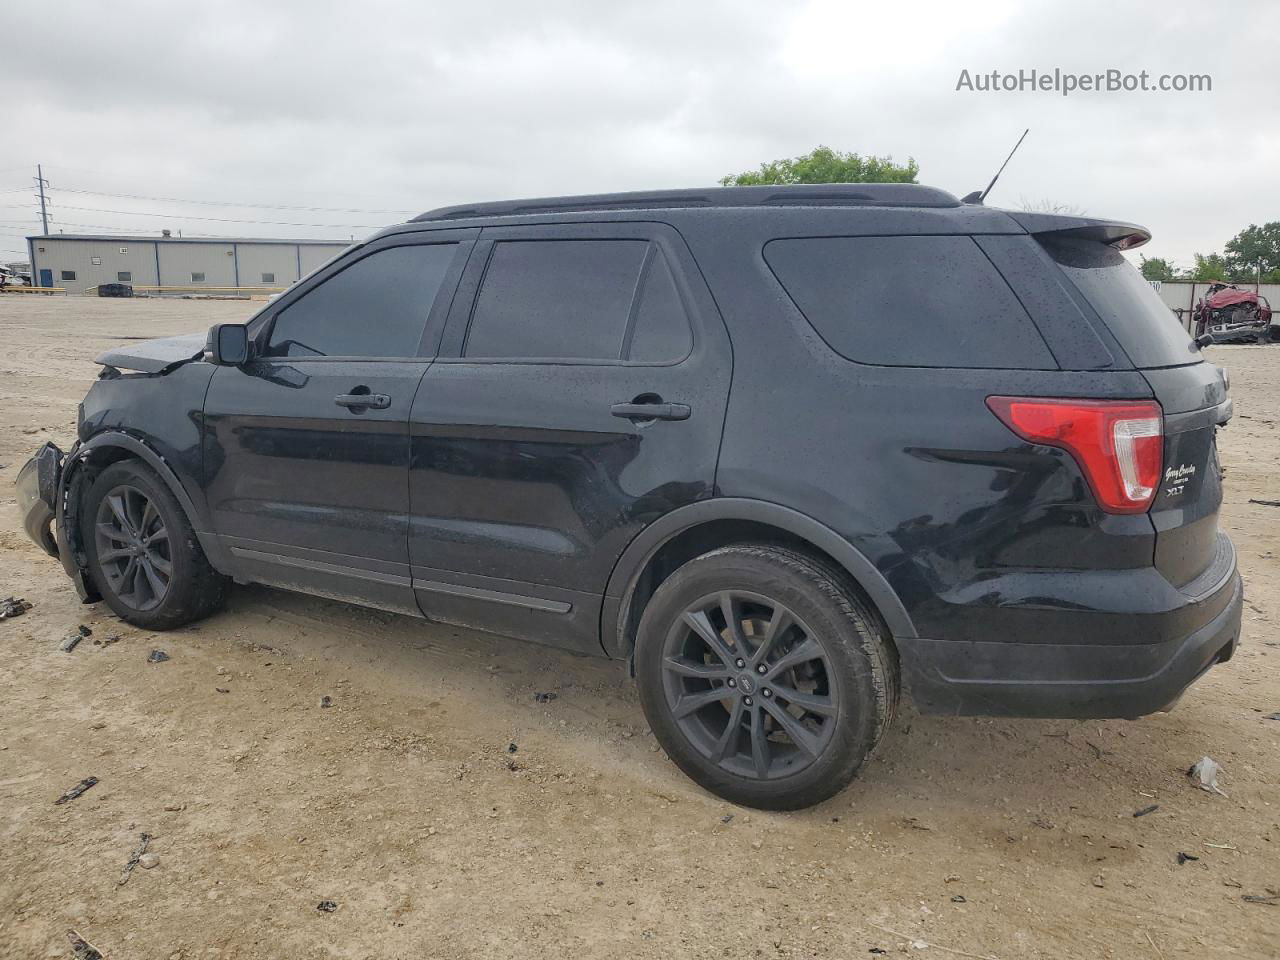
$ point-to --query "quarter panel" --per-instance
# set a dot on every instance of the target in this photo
(908, 464)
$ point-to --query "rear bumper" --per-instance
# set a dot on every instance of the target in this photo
(37, 489)
(1079, 680)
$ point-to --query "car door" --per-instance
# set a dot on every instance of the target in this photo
(579, 395)
(306, 446)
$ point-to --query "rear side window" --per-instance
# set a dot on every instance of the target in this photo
(377, 307)
(1145, 328)
(660, 327)
(578, 300)
(908, 302)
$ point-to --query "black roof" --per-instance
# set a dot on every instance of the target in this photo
(815, 195)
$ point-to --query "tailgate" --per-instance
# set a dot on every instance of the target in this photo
(1189, 550)
(1189, 547)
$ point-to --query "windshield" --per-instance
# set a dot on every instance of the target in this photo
(1148, 330)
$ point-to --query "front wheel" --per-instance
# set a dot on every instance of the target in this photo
(763, 675)
(143, 554)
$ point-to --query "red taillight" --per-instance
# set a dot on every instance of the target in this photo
(1119, 444)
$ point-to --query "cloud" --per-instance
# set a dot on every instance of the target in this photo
(407, 106)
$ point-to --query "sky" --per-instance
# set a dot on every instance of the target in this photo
(314, 119)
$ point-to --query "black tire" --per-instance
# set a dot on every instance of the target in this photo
(849, 675)
(148, 566)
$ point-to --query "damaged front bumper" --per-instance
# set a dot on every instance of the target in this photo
(41, 504)
(38, 487)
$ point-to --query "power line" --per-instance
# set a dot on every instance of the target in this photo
(183, 216)
(231, 203)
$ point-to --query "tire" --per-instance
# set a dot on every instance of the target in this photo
(123, 538)
(830, 669)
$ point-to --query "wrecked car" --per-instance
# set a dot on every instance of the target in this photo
(1229, 314)
(686, 430)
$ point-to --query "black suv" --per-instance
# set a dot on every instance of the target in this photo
(784, 451)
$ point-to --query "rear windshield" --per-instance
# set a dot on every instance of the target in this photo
(908, 302)
(1146, 329)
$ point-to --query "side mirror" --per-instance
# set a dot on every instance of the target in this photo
(228, 344)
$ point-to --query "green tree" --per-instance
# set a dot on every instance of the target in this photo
(1208, 267)
(824, 165)
(1158, 268)
(1251, 246)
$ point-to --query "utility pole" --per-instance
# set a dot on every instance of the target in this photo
(40, 182)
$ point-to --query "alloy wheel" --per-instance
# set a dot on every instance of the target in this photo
(749, 685)
(133, 547)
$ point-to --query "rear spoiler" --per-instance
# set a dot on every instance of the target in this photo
(1122, 236)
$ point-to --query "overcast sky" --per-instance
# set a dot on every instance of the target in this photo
(400, 107)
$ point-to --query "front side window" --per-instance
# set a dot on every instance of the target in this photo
(578, 300)
(376, 307)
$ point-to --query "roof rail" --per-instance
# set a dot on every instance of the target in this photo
(816, 195)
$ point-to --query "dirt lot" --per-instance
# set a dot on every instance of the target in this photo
(448, 814)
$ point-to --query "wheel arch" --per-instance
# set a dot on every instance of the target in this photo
(694, 529)
(102, 450)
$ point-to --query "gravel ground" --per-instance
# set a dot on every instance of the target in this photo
(445, 813)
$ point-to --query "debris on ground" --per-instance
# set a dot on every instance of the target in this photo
(326, 906)
(1205, 771)
(107, 641)
(1145, 810)
(148, 860)
(512, 748)
(81, 949)
(78, 789)
(71, 639)
(545, 697)
(1272, 716)
(222, 689)
(13, 607)
(1099, 881)
(915, 823)
(727, 818)
(1271, 899)
(959, 898)
(1265, 503)
(157, 656)
(135, 858)
(326, 701)
(1184, 857)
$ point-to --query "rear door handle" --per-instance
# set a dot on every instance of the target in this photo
(364, 401)
(651, 411)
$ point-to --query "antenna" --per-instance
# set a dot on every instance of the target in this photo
(976, 197)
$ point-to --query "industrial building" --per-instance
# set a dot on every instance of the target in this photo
(79, 263)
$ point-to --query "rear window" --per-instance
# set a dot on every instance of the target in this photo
(1145, 328)
(908, 302)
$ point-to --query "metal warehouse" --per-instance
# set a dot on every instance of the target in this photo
(79, 263)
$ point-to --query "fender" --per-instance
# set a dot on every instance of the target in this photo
(640, 551)
(138, 448)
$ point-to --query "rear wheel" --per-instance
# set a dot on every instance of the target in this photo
(763, 676)
(143, 554)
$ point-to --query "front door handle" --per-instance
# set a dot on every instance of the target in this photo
(363, 401)
(651, 411)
